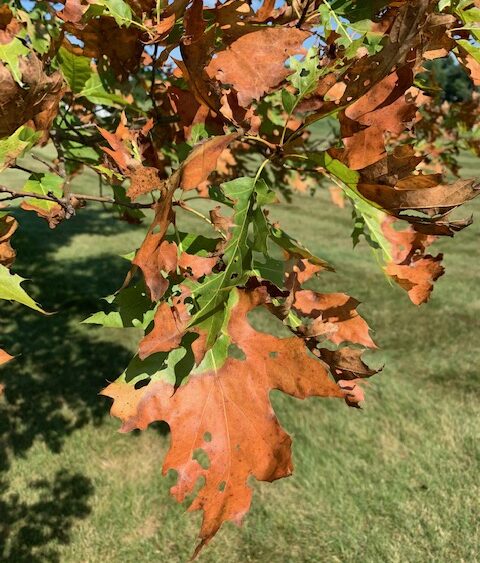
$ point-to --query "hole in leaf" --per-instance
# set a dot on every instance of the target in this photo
(235, 352)
(202, 458)
(207, 437)
(273, 354)
(304, 72)
(142, 383)
(221, 486)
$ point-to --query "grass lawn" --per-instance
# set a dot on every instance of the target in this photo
(395, 482)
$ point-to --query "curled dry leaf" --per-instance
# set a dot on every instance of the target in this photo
(156, 255)
(103, 38)
(364, 123)
(414, 195)
(54, 214)
(124, 151)
(197, 48)
(221, 223)
(418, 277)
(411, 268)
(36, 103)
(8, 226)
(333, 308)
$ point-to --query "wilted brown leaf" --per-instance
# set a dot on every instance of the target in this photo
(411, 268)
(8, 226)
(417, 278)
(384, 109)
(36, 104)
(336, 308)
(414, 195)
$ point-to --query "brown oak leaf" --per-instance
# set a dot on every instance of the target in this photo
(418, 277)
(414, 195)
(226, 412)
(36, 104)
(201, 162)
(364, 123)
(8, 226)
(254, 76)
(169, 327)
(411, 268)
(337, 308)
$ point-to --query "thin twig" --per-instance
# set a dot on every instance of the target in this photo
(15, 194)
(44, 162)
(186, 207)
(22, 168)
(303, 15)
(259, 140)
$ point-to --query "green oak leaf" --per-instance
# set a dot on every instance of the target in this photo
(95, 92)
(288, 101)
(11, 290)
(306, 73)
(368, 222)
(211, 295)
(117, 9)
(10, 54)
(76, 69)
(271, 269)
(15, 146)
(44, 183)
(294, 248)
(133, 309)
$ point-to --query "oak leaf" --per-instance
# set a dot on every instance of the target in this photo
(413, 194)
(197, 49)
(170, 324)
(333, 308)
(224, 410)
(36, 103)
(384, 109)
(411, 268)
(417, 278)
(254, 76)
(8, 226)
(203, 159)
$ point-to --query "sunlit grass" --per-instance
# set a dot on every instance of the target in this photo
(397, 481)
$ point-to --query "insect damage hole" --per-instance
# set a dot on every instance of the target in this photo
(202, 457)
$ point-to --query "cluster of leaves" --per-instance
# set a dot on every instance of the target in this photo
(183, 106)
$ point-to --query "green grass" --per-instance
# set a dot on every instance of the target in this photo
(397, 481)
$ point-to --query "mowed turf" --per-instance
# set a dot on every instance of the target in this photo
(394, 482)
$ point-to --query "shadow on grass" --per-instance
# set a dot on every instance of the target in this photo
(51, 388)
(26, 528)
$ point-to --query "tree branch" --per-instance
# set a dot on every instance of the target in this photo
(15, 194)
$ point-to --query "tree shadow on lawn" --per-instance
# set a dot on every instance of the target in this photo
(26, 528)
(51, 387)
